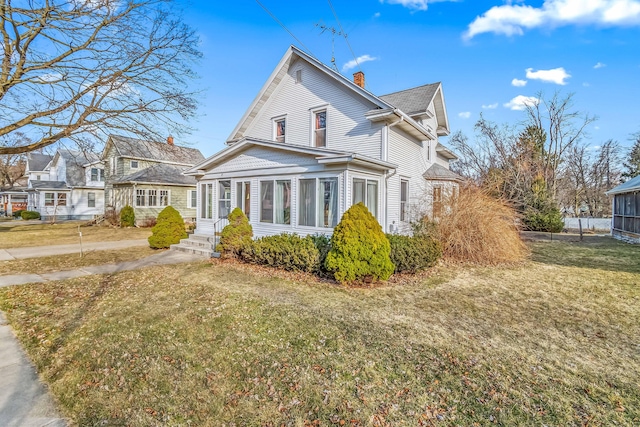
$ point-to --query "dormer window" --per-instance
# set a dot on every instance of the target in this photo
(97, 175)
(134, 164)
(320, 128)
(280, 129)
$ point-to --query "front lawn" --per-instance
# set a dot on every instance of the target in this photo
(63, 233)
(551, 342)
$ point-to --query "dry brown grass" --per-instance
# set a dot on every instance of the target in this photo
(18, 236)
(476, 228)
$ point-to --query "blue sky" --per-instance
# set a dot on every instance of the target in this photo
(489, 55)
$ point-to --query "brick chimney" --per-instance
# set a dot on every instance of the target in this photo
(170, 140)
(358, 78)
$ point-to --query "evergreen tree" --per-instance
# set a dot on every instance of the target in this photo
(632, 164)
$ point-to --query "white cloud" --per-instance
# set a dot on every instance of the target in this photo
(513, 19)
(599, 65)
(518, 83)
(556, 75)
(414, 4)
(490, 106)
(355, 62)
(585, 84)
(521, 102)
(376, 15)
(464, 114)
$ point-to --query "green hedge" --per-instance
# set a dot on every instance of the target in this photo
(412, 254)
(168, 230)
(17, 214)
(236, 234)
(29, 215)
(359, 248)
(287, 251)
(127, 217)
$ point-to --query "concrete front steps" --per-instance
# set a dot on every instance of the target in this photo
(198, 244)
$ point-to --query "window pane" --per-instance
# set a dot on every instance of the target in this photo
(203, 198)
(209, 201)
(320, 129)
(193, 199)
(266, 201)
(358, 190)
(94, 174)
(283, 202)
(224, 198)
(140, 197)
(153, 197)
(239, 201)
(280, 130)
(247, 199)
(372, 197)
(404, 193)
(48, 199)
(164, 197)
(91, 200)
(329, 202)
(307, 202)
(62, 199)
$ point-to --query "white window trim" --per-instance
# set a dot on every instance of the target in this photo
(274, 182)
(317, 185)
(192, 199)
(312, 124)
(274, 127)
(366, 180)
(406, 205)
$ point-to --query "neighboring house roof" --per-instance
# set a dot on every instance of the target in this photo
(157, 151)
(75, 161)
(439, 173)
(322, 155)
(158, 174)
(632, 185)
(380, 104)
(49, 185)
(37, 162)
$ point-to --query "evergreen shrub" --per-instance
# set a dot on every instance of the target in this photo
(168, 230)
(544, 218)
(235, 235)
(29, 215)
(127, 217)
(411, 254)
(17, 214)
(288, 251)
(359, 248)
(323, 244)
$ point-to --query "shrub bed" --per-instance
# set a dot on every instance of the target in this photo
(288, 251)
(412, 254)
(29, 215)
(17, 214)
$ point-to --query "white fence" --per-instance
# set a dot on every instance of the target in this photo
(598, 224)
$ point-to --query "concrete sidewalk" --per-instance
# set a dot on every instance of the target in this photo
(42, 251)
(24, 401)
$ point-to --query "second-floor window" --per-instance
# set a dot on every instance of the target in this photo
(280, 129)
(97, 175)
(134, 164)
(320, 128)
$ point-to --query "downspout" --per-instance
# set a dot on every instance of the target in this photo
(387, 175)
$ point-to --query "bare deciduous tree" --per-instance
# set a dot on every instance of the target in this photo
(80, 69)
(12, 166)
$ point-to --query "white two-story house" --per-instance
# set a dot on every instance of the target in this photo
(313, 143)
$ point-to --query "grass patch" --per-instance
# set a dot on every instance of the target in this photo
(536, 344)
(73, 261)
(65, 233)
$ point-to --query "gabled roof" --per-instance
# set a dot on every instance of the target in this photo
(74, 165)
(294, 53)
(159, 174)
(155, 151)
(37, 162)
(322, 155)
(439, 173)
(632, 185)
(413, 101)
(49, 185)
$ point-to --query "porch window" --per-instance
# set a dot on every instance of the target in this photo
(243, 197)
(275, 201)
(280, 129)
(206, 201)
(62, 199)
(141, 197)
(49, 199)
(318, 202)
(404, 196)
(224, 198)
(153, 197)
(91, 200)
(366, 191)
(320, 128)
(164, 198)
(307, 202)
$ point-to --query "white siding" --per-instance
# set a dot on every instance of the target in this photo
(262, 158)
(347, 128)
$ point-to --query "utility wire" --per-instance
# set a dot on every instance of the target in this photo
(283, 26)
(335, 15)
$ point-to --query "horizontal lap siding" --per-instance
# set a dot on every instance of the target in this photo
(259, 158)
(347, 128)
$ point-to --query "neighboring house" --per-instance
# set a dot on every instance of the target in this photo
(148, 176)
(313, 143)
(625, 223)
(69, 186)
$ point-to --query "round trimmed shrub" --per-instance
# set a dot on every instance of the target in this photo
(169, 229)
(359, 248)
(287, 251)
(236, 234)
(30, 215)
(127, 217)
(17, 214)
(411, 254)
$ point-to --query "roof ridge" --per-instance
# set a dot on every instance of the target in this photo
(411, 88)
